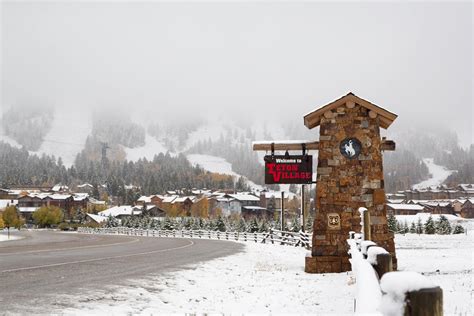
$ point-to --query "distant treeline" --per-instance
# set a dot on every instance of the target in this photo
(164, 172)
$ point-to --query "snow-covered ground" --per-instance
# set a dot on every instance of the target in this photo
(4, 236)
(438, 175)
(269, 279)
(67, 135)
(151, 148)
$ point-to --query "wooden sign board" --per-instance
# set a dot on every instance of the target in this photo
(285, 169)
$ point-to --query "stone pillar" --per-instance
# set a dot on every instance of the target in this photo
(349, 176)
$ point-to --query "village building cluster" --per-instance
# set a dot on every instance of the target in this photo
(178, 203)
(458, 201)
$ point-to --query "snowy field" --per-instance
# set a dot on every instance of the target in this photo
(269, 279)
(438, 175)
(66, 137)
(151, 148)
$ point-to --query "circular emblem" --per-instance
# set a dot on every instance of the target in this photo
(350, 148)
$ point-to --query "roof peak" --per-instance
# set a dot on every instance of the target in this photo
(313, 118)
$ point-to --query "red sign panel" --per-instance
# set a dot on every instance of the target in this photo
(283, 169)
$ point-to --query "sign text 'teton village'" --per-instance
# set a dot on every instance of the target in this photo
(288, 169)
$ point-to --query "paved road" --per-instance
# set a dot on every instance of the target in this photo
(44, 264)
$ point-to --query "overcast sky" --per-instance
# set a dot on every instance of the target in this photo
(240, 58)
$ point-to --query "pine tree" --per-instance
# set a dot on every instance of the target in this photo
(263, 226)
(111, 222)
(253, 226)
(442, 226)
(295, 225)
(405, 227)
(430, 226)
(419, 226)
(309, 224)
(167, 224)
(392, 223)
(242, 226)
(458, 229)
(220, 224)
(412, 228)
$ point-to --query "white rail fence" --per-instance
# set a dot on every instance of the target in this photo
(379, 291)
(296, 239)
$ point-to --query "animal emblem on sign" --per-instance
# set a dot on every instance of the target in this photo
(349, 149)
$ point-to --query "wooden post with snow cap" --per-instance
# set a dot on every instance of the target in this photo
(365, 222)
(410, 293)
(424, 302)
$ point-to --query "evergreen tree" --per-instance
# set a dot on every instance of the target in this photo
(419, 226)
(458, 229)
(405, 227)
(242, 226)
(220, 224)
(430, 226)
(392, 223)
(263, 226)
(443, 227)
(412, 228)
(111, 222)
(253, 226)
(309, 224)
(295, 225)
(168, 224)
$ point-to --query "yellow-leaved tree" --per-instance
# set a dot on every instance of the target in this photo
(48, 216)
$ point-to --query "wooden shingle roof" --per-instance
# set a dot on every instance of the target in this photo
(313, 119)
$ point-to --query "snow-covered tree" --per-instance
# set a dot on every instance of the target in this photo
(220, 224)
(430, 227)
(412, 228)
(442, 226)
(458, 229)
(392, 223)
(419, 226)
(111, 222)
(242, 226)
(295, 225)
(263, 226)
(309, 224)
(253, 226)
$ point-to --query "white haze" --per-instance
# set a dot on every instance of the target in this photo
(250, 61)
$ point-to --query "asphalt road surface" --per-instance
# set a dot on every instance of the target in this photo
(45, 264)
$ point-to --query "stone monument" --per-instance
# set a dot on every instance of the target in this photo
(349, 176)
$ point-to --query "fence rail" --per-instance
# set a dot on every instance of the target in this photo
(381, 291)
(296, 239)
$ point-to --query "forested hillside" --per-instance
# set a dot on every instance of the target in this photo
(402, 169)
(165, 172)
(236, 148)
(27, 125)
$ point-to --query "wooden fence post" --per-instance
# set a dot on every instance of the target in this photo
(384, 264)
(424, 302)
(367, 225)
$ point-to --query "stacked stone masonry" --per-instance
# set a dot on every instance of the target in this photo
(344, 185)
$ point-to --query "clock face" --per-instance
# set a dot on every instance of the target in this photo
(350, 148)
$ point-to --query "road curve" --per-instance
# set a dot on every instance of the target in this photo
(44, 264)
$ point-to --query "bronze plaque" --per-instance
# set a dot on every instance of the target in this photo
(334, 221)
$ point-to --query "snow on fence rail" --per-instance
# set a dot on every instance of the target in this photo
(379, 291)
(273, 236)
